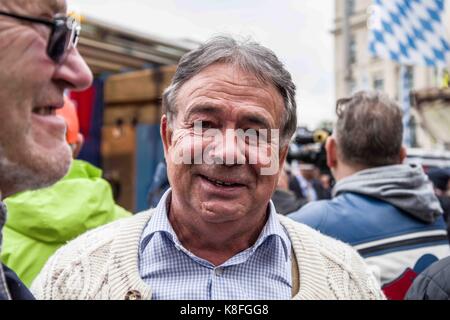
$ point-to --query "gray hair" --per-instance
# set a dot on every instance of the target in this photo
(369, 129)
(250, 57)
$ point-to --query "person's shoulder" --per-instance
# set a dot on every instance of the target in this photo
(299, 229)
(337, 258)
(439, 268)
(70, 262)
(106, 233)
(433, 283)
(312, 214)
(315, 237)
(16, 287)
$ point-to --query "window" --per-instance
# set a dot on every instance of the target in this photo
(353, 86)
(378, 82)
(352, 50)
(446, 79)
(409, 78)
(441, 78)
(351, 6)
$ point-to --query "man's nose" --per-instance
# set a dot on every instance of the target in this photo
(74, 72)
(230, 151)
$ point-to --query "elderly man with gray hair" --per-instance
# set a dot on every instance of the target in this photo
(228, 117)
(385, 209)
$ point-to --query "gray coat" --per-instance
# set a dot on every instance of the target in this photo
(433, 283)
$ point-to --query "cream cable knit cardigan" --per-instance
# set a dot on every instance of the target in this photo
(103, 264)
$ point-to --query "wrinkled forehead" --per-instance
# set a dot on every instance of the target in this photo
(36, 7)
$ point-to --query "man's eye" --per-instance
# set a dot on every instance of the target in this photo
(201, 125)
(249, 136)
(252, 131)
(262, 135)
(207, 125)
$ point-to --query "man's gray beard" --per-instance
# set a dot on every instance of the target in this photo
(19, 177)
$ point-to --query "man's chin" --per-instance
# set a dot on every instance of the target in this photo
(57, 168)
(220, 212)
(52, 177)
(37, 171)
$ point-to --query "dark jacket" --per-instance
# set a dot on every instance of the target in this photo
(321, 193)
(286, 202)
(391, 216)
(445, 204)
(433, 283)
(16, 288)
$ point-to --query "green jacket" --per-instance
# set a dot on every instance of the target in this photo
(41, 221)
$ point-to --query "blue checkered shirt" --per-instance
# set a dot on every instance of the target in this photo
(261, 272)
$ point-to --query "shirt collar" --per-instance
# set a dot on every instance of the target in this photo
(160, 223)
(273, 227)
(302, 181)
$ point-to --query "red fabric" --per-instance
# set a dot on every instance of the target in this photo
(397, 289)
(69, 113)
(85, 104)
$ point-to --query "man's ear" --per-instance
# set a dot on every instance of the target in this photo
(166, 133)
(78, 145)
(403, 154)
(330, 148)
(281, 161)
(283, 154)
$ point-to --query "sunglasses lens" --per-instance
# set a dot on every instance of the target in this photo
(58, 43)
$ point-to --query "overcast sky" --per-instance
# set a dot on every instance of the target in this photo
(297, 30)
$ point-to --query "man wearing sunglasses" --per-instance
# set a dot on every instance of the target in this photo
(38, 63)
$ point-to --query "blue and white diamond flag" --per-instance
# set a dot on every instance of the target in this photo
(410, 32)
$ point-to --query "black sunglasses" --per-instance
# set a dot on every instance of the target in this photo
(65, 32)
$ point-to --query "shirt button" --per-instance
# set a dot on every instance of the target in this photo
(133, 295)
(218, 271)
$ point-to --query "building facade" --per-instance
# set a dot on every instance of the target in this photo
(356, 69)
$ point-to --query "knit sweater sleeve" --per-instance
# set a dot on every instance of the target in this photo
(362, 282)
(329, 269)
(350, 278)
(68, 274)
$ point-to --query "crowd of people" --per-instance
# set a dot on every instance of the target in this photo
(240, 223)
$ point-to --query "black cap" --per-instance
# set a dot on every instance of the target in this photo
(439, 177)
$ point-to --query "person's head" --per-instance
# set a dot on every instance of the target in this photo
(368, 133)
(440, 178)
(325, 181)
(38, 63)
(73, 135)
(308, 171)
(226, 85)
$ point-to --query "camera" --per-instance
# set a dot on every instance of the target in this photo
(309, 147)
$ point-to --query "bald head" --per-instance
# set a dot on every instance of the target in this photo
(33, 149)
(43, 8)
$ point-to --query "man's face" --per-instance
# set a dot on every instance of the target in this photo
(33, 150)
(223, 99)
(307, 173)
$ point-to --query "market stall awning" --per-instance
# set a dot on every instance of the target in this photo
(111, 48)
